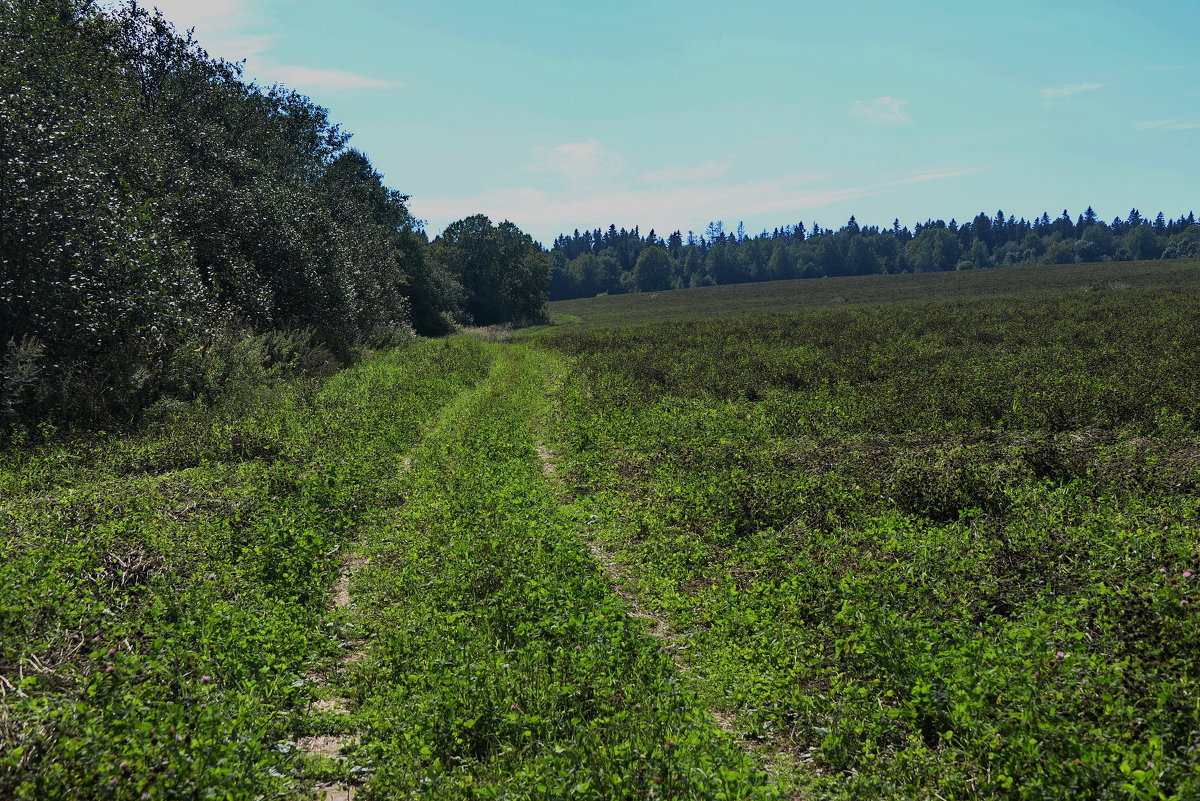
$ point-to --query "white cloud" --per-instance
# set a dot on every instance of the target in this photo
(302, 77)
(683, 174)
(579, 162)
(1168, 125)
(225, 29)
(938, 174)
(881, 111)
(209, 14)
(545, 213)
(1069, 89)
(221, 25)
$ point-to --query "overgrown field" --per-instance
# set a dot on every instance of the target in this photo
(939, 549)
(166, 628)
(767, 297)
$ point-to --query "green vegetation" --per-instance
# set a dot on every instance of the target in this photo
(612, 261)
(166, 625)
(504, 666)
(941, 546)
(154, 206)
(789, 297)
(938, 548)
(875, 536)
(164, 596)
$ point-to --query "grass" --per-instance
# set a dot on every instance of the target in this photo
(167, 631)
(738, 300)
(938, 549)
(906, 537)
(164, 595)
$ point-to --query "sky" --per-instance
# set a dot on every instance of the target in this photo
(667, 114)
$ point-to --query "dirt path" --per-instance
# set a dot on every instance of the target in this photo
(617, 575)
(332, 746)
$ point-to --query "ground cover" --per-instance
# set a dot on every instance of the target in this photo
(366, 584)
(498, 663)
(164, 596)
(738, 300)
(941, 548)
(937, 547)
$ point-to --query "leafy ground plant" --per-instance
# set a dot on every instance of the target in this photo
(931, 549)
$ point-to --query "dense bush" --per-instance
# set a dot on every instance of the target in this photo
(152, 202)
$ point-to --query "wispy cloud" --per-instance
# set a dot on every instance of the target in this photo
(1168, 125)
(227, 29)
(222, 14)
(665, 207)
(222, 26)
(881, 111)
(579, 162)
(683, 174)
(302, 77)
(1069, 89)
(937, 174)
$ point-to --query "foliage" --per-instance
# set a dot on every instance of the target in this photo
(151, 201)
(504, 274)
(163, 596)
(164, 619)
(935, 548)
(503, 665)
(798, 252)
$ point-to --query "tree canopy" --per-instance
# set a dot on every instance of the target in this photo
(610, 261)
(505, 275)
(152, 202)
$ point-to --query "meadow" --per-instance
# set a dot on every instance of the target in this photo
(939, 543)
(904, 536)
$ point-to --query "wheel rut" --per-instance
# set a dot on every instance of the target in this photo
(656, 626)
(334, 746)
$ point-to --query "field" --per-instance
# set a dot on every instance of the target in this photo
(894, 537)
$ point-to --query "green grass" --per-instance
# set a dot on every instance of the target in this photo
(912, 537)
(164, 595)
(504, 666)
(937, 549)
(165, 610)
(705, 303)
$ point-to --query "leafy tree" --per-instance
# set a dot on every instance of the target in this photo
(152, 202)
(1184, 245)
(977, 256)
(505, 275)
(1061, 252)
(653, 269)
(782, 264)
(860, 260)
(1141, 243)
(932, 250)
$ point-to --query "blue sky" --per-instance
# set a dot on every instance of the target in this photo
(669, 114)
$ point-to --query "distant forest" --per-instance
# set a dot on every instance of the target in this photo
(612, 261)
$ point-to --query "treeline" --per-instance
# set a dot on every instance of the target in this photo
(613, 261)
(165, 224)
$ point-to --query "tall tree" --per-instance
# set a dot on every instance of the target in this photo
(653, 269)
(505, 275)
